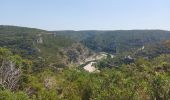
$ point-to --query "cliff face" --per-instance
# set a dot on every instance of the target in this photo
(39, 39)
(77, 53)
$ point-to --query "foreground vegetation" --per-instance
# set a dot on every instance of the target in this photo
(143, 80)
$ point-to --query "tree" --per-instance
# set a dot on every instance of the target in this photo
(10, 69)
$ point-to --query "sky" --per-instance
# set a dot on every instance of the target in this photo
(86, 14)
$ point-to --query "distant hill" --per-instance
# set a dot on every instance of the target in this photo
(116, 41)
(62, 47)
(36, 44)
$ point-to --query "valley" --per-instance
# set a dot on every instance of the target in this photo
(37, 64)
(85, 50)
(89, 63)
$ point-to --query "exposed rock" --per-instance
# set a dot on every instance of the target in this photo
(90, 67)
(39, 39)
(77, 53)
(128, 59)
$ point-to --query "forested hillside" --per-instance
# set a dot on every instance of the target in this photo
(37, 64)
(40, 46)
(116, 41)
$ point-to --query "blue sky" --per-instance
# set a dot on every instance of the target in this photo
(86, 14)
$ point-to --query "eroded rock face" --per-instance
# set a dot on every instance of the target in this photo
(90, 67)
(39, 39)
(77, 53)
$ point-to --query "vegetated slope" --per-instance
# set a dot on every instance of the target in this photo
(134, 78)
(142, 80)
(37, 44)
(116, 41)
(19, 39)
(59, 48)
